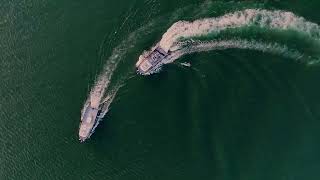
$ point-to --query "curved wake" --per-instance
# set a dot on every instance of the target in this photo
(207, 34)
(280, 20)
(200, 46)
(184, 37)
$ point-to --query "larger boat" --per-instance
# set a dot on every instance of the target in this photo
(152, 61)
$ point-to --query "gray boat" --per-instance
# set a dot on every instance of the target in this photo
(89, 120)
(151, 62)
(91, 116)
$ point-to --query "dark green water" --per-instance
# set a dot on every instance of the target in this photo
(236, 114)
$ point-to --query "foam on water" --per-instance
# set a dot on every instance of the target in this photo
(98, 91)
(280, 20)
(200, 46)
(102, 89)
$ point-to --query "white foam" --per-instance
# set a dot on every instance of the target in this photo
(280, 20)
(200, 46)
(101, 88)
(98, 90)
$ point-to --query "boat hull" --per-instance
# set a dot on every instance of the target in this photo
(89, 121)
(151, 62)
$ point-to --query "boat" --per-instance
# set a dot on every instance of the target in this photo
(91, 116)
(89, 120)
(152, 61)
(186, 64)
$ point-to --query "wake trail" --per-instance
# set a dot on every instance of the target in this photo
(104, 89)
(207, 34)
(201, 46)
(266, 19)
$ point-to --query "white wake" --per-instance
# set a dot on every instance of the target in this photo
(102, 91)
(200, 46)
(274, 20)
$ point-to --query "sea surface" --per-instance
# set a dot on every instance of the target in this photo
(235, 114)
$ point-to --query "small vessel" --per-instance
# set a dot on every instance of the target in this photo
(151, 62)
(91, 116)
(89, 119)
(186, 64)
